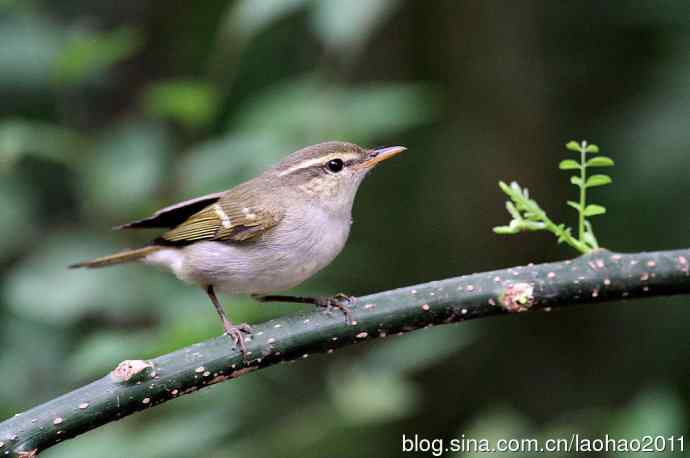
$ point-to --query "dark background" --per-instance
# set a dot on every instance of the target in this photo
(113, 109)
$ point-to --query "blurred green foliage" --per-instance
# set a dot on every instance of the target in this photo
(190, 103)
(113, 109)
(88, 54)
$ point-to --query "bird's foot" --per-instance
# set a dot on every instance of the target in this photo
(340, 301)
(236, 333)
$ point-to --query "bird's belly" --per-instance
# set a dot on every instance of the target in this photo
(259, 268)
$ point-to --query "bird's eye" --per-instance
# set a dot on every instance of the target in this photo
(334, 165)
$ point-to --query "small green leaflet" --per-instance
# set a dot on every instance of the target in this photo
(568, 164)
(599, 161)
(598, 180)
(593, 210)
(573, 146)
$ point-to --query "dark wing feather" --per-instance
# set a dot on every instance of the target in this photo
(173, 215)
(238, 215)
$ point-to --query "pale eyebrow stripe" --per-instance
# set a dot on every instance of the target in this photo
(318, 161)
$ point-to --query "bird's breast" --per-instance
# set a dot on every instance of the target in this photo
(311, 243)
(285, 256)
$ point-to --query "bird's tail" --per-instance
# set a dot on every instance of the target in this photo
(118, 258)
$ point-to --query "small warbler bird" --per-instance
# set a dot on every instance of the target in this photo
(267, 234)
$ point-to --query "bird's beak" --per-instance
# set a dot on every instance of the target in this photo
(381, 154)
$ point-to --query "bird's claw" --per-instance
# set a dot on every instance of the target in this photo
(236, 333)
(340, 301)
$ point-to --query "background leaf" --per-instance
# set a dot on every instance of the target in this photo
(87, 54)
(356, 113)
(247, 18)
(124, 169)
(347, 26)
(191, 103)
(19, 138)
(30, 44)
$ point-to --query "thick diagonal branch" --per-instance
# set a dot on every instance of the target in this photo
(135, 385)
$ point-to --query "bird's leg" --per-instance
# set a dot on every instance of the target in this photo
(340, 301)
(234, 331)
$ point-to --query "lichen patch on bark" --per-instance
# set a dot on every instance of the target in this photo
(518, 297)
(126, 370)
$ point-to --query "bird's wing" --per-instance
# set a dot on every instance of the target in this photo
(170, 217)
(238, 215)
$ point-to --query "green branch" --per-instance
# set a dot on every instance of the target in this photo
(600, 276)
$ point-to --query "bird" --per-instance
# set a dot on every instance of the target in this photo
(263, 236)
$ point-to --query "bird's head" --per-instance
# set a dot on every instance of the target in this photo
(330, 173)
